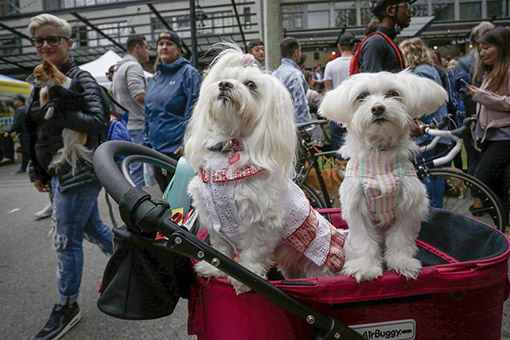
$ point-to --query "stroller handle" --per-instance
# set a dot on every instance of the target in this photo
(139, 211)
(108, 172)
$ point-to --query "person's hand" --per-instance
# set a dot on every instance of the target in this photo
(41, 187)
(6, 135)
(472, 89)
(179, 151)
(416, 130)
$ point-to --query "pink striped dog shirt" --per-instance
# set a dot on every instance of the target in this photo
(381, 183)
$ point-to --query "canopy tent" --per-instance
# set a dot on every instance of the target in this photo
(13, 86)
(9, 87)
(100, 66)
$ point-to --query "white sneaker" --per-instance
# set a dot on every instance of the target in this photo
(46, 212)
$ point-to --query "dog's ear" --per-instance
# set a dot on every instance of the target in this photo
(422, 96)
(273, 141)
(337, 105)
(47, 66)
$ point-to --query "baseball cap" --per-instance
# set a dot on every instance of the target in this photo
(174, 37)
(379, 6)
(19, 97)
(346, 39)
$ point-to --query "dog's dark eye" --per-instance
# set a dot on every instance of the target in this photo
(391, 94)
(251, 85)
(361, 97)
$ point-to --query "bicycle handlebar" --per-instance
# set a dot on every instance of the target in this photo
(455, 135)
(300, 126)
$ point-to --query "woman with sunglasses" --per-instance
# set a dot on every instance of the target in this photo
(493, 111)
(75, 212)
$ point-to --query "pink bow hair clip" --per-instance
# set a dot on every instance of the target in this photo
(247, 60)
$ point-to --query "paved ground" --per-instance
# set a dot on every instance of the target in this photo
(28, 281)
(28, 286)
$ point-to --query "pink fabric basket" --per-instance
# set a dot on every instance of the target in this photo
(459, 293)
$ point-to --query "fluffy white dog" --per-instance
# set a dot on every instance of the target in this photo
(382, 200)
(241, 140)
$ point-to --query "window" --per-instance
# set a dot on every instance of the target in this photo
(118, 31)
(247, 17)
(318, 15)
(9, 7)
(443, 10)
(345, 13)
(50, 5)
(470, 10)
(420, 8)
(220, 23)
(9, 44)
(212, 23)
(496, 9)
(292, 16)
(366, 14)
(80, 34)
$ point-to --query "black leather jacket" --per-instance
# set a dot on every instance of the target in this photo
(46, 135)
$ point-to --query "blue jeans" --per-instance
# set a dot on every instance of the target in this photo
(436, 185)
(136, 168)
(76, 216)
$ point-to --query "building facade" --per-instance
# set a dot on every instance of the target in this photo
(102, 25)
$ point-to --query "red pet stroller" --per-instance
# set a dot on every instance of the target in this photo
(459, 293)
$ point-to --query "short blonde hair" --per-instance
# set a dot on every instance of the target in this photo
(62, 26)
(416, 52)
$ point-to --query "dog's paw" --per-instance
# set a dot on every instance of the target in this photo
(362, 269)
(409, 267)
(238, 286)
(206, 270)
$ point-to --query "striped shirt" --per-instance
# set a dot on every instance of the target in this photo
(381, 182)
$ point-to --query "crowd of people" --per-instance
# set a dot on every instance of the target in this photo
(157, 111)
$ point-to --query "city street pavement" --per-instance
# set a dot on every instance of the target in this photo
(28, 286)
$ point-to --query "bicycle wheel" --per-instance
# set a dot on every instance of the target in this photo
(457, 196)
(315, 199)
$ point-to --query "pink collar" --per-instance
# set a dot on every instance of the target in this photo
(228, 174)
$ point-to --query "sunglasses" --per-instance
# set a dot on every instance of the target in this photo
(52, 40)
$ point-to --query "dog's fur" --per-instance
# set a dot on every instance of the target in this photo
(48, 75)
(456, 186)
(333, 178)
(377, 109)
(238, 101)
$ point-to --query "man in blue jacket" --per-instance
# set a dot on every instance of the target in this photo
(169, 101)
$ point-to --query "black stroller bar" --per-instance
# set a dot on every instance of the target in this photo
(139, 211)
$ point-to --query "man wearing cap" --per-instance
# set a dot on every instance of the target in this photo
(129, 91)
(18, 126)
(377, 51)
(336, 71)
(169, 101)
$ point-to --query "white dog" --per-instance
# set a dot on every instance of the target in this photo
(241, 140)
(382, 200)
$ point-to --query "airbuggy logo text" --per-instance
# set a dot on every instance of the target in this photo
(395, 330)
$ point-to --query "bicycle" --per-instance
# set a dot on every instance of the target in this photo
(459, 186)
(309, 160)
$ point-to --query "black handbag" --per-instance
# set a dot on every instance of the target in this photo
(142, 281)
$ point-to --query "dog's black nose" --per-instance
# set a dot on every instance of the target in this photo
(225, 85)
(378, 110)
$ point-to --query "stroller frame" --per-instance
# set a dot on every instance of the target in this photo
(137, 210)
